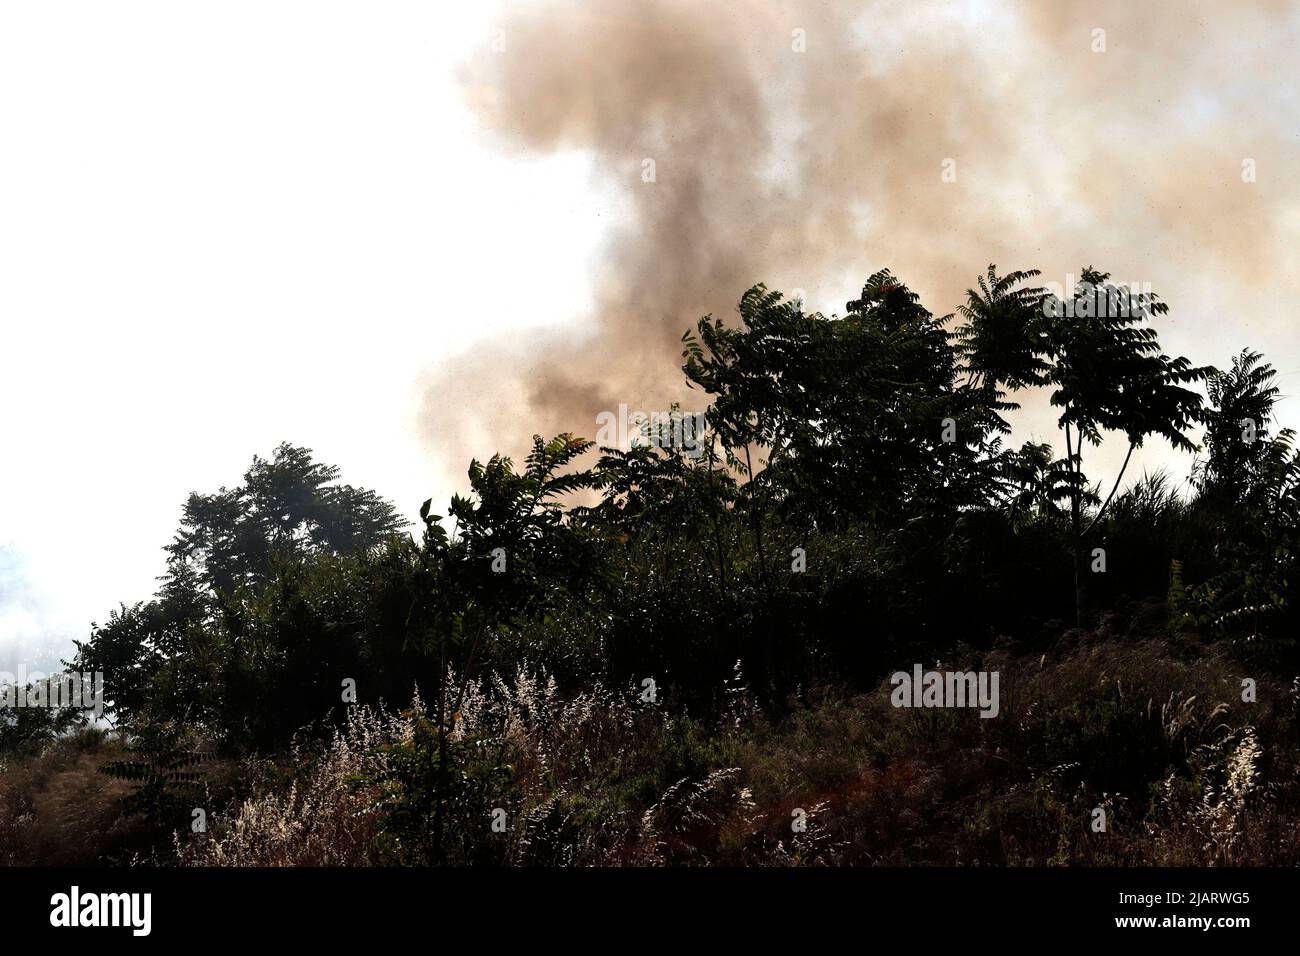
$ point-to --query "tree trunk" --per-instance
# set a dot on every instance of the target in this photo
(1075, 472)
(755, 519)
(1114, 488)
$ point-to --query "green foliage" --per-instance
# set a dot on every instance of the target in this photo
(281, 532)
(165, 782)
(1242, 461)
(852, 508)
(25, 731)
(288, 507)
(1108, 372)
(1248, 485)
(849, 411)
(420, 778)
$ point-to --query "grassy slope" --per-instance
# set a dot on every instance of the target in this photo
(1156, 734)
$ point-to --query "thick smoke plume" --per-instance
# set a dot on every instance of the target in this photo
(804, 144)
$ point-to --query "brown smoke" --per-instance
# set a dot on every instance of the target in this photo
(812, 169)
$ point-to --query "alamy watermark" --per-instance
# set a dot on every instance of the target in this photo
(1084, 300)
(946, 689)
(67, 691)
(75, 908)
(671, 430)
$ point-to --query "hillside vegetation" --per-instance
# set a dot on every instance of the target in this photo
(680, 652)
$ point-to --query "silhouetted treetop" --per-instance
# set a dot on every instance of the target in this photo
(288, 506)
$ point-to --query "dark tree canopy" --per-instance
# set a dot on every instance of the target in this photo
(851, 470)
(847, 509)
(289, 506)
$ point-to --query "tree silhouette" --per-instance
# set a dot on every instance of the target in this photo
(1102, 362)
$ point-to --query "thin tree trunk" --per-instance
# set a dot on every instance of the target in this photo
(755, 519)
(756, 524)
(1075, 472)
(713, 520)
(1113, 489)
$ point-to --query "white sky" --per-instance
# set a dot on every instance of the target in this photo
(223, 225)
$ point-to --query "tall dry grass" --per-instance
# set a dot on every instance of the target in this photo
(1187, 772)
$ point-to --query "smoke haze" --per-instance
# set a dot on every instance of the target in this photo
(803, 145)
